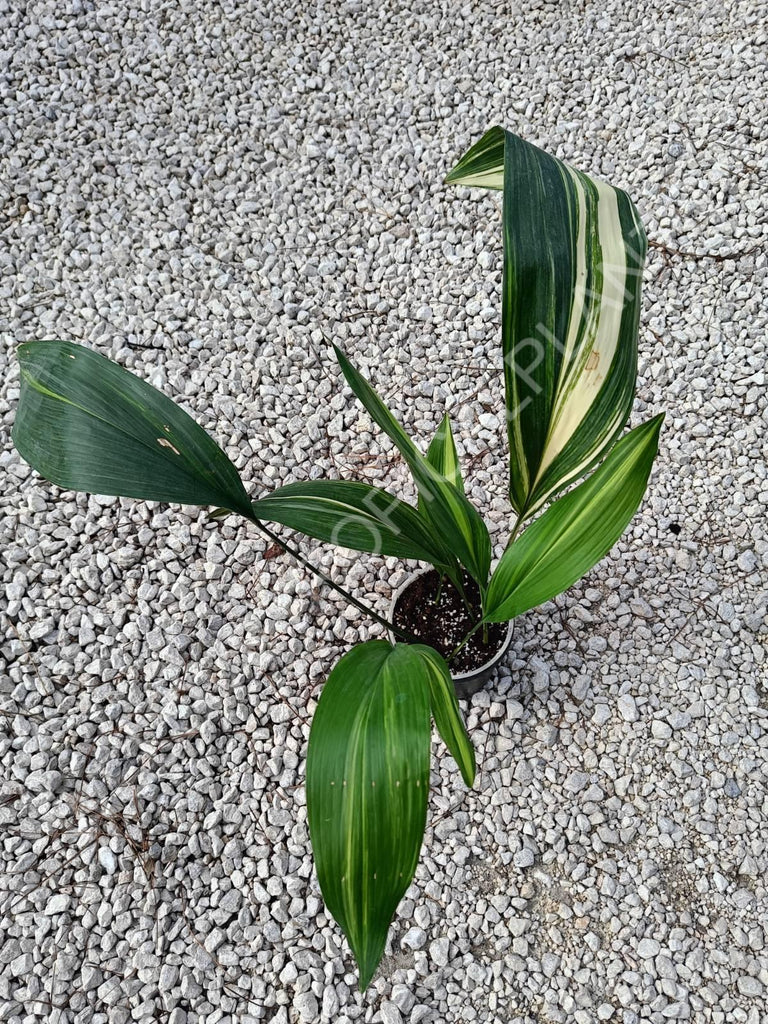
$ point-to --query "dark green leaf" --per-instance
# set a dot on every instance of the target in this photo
(574, 249)
(445, 710)
(455, 521)
(444, 458)
(87, 424)
(354, 515)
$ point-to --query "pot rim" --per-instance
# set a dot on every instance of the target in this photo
(456, 676)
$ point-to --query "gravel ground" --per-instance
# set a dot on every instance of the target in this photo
(205, 192)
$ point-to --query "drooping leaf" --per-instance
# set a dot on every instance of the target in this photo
(354, 515)
(574, 250)
(367, 781)
(445, 711)
(576, 531)
(87, 424)
(444, 458)
(456, 521)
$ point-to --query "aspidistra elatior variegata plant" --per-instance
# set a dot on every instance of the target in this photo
(573, 254)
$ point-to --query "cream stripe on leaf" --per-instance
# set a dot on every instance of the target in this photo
(443, 457)
(573, 259)
(445, 710)
(367, 784)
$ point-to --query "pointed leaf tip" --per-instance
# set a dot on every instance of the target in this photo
(453, 519)
(574, 249)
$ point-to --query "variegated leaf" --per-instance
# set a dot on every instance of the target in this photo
(576, 531)
(367, 783)
(574, 249)
(446, 713)
(368, 778)
(456, 522)
(443, 457)
(354, 515)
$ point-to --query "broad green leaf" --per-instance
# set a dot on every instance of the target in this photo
(367, 782)
(444, 458)
(354, 515)
(445, 711)
(574, 250)
(87, 424)
(576, 531)
(457, 523)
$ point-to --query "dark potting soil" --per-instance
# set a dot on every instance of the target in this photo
(444, 623)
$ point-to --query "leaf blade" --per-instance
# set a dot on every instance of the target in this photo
(574, 249)
(87, 424)
(576, 531)
(367, 783)
(446, 713)
(352, 514)
(444, 458)
(455, 519)
(482, 166)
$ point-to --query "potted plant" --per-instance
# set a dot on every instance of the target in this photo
(573, 257)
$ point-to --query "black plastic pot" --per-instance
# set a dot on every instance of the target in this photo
(465, 683)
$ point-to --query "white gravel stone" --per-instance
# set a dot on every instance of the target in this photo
(305, 1005)
(648, 948)
(57, 904)
(403, 998)
(390, 1014)
(660, 730)
(524, 858)
(415, 938)
(107, 860)
(576, 781)
(22, 965)
(439, 951)
(627, 707)
(749, 986)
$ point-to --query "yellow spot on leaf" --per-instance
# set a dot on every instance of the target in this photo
(165, 443)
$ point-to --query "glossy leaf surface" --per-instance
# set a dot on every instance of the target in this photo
(352, 514)
(367, 781)
(454, 519)
(446, 713)
(576, 531)
(444, 458)
(574, 250)
(87, 424)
